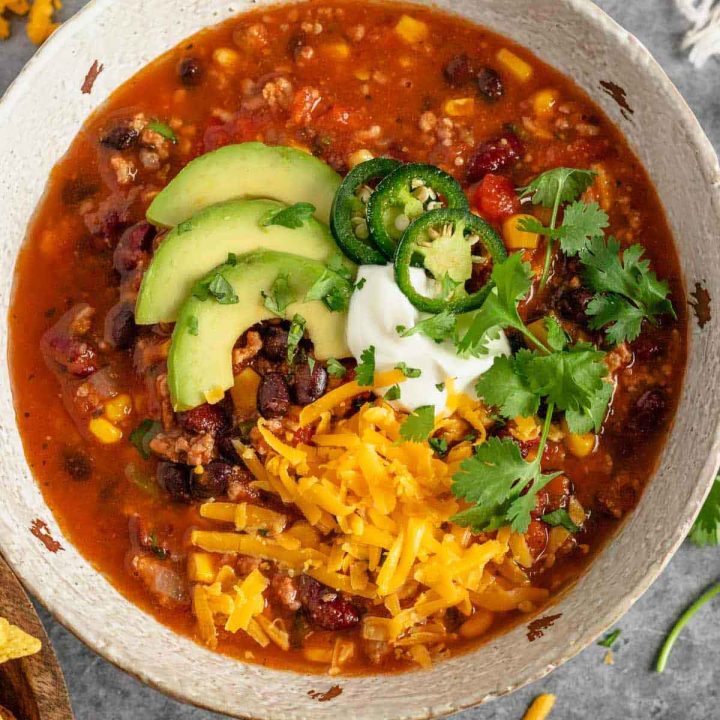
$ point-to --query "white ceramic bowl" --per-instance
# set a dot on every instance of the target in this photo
(40, 115)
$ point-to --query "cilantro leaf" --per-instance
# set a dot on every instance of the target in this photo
(439, 445)
(365, 371)
(333, 289)
(162, 129)
(581, 222)
(437, 327)
(621, 319)
(590, 418)
(610, 639)
(419, 424)
(192, 325)
(141, 436)
(280, 295)
(557, 186)
(494, 479)
(504, 387)
(569, 379)
(557, 338)
(217, 287)
(560, 518)
(291, 217)
(335, 368)
(408, 372)
(295, 335)
(512, 279)
(706, 528)
(625, 277)
(393, 393)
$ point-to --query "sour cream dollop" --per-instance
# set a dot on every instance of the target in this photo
(375, 312)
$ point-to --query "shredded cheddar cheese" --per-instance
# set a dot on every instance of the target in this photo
(376, 525)
(40, 13)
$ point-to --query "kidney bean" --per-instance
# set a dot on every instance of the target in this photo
(458, 72)
(273, 398)
(133, 247)
(205, 418)
(275, 342)
(498, 153)
(74, 354)
(490, 84)
(325, 607)
(213, 482)
(309, 385)
(175, 480)
(190, 71)
(647, 415)
(120, 327)
(121, 137)
(77, 464)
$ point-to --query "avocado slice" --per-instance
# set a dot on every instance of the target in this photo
(200, 360)
(204, 241)
(245, 171)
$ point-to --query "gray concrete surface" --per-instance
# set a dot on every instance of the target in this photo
(586, 688)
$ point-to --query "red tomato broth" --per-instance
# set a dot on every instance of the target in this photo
(67, 258)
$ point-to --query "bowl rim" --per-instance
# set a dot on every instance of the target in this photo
(707, 158)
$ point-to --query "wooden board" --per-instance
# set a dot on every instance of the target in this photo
(32, 688)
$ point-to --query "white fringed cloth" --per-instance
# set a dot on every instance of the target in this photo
(703, 40)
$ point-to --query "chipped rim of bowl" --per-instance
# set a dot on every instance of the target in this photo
(706, 158)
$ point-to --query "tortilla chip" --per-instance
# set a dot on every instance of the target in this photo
(15, 643)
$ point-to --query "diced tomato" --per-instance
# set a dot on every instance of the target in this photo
(536, 537)
(580, 153)
(496, 198)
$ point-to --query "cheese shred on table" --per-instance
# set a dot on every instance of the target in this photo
(376, 526)
(40, 13)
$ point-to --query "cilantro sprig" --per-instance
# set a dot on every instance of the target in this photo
(501, 485)
(706, 528)
(552, 189)
(419, 424)
(627, 291)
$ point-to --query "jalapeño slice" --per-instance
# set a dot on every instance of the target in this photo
(448, 243)
(348, 221)
(403, 196)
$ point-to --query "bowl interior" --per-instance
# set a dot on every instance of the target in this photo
(46, 103)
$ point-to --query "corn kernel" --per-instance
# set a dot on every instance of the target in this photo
(576, 511)
(517, 239)
(363, 75)
(580, 445)
(105, 431)
(244, 392)
(517, 66)
(201, 567)
(412, 30)
(214, 395)
(226, 58)
(118, 408)
(544, 102)
(336, 50)
(460, 107)
(359, 156)
(526, 428)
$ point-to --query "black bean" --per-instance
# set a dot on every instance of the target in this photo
(120, 327)
(273, 398)
(309, 385)
(175, 480)
(275, 342)
(490, 84)
(572, 304)
(133, 247)
(296, 44)
(190, 72)
(205, 418)
(458, 72)
(213, 482)
(648, 413)
(77, 464)
(121, 137)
